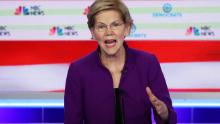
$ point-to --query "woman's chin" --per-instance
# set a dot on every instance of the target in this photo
(110, 53)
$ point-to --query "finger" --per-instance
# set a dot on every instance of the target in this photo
(154, 100)
(149, 93)
(157, 104)
(158, 109)
(161, 108)
(152, 97)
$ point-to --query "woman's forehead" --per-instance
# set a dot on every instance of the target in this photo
(108, 16)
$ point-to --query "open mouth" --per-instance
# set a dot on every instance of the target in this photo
(110, 43)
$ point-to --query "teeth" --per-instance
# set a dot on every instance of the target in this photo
(109, 41)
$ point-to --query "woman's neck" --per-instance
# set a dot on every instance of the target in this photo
(114, 62)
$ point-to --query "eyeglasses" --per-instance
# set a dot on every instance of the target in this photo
(101, 27)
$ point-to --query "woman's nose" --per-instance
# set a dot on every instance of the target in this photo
(108, 31)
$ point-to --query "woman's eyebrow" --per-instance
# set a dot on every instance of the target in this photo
(111, 22)
(101, 23)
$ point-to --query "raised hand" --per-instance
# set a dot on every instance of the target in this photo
(159, 105)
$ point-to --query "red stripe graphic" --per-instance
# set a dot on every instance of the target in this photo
(49, 52)
(196, 90)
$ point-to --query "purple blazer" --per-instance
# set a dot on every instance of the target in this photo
(89, 94)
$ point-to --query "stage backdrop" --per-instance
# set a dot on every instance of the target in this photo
(39, 39)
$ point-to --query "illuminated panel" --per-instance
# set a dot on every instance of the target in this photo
(59, 103)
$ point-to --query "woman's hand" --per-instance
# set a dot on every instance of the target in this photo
(159, 105)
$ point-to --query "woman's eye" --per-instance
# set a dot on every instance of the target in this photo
(101, 26)
(115, 25)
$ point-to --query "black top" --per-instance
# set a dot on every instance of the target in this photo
(118, 107)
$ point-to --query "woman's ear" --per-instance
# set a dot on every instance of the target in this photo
(127, 29)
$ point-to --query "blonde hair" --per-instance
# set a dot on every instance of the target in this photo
(101, 5)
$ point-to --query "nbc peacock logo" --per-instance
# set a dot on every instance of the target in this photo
(32, 10)
(63, 31)
(199, 31)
